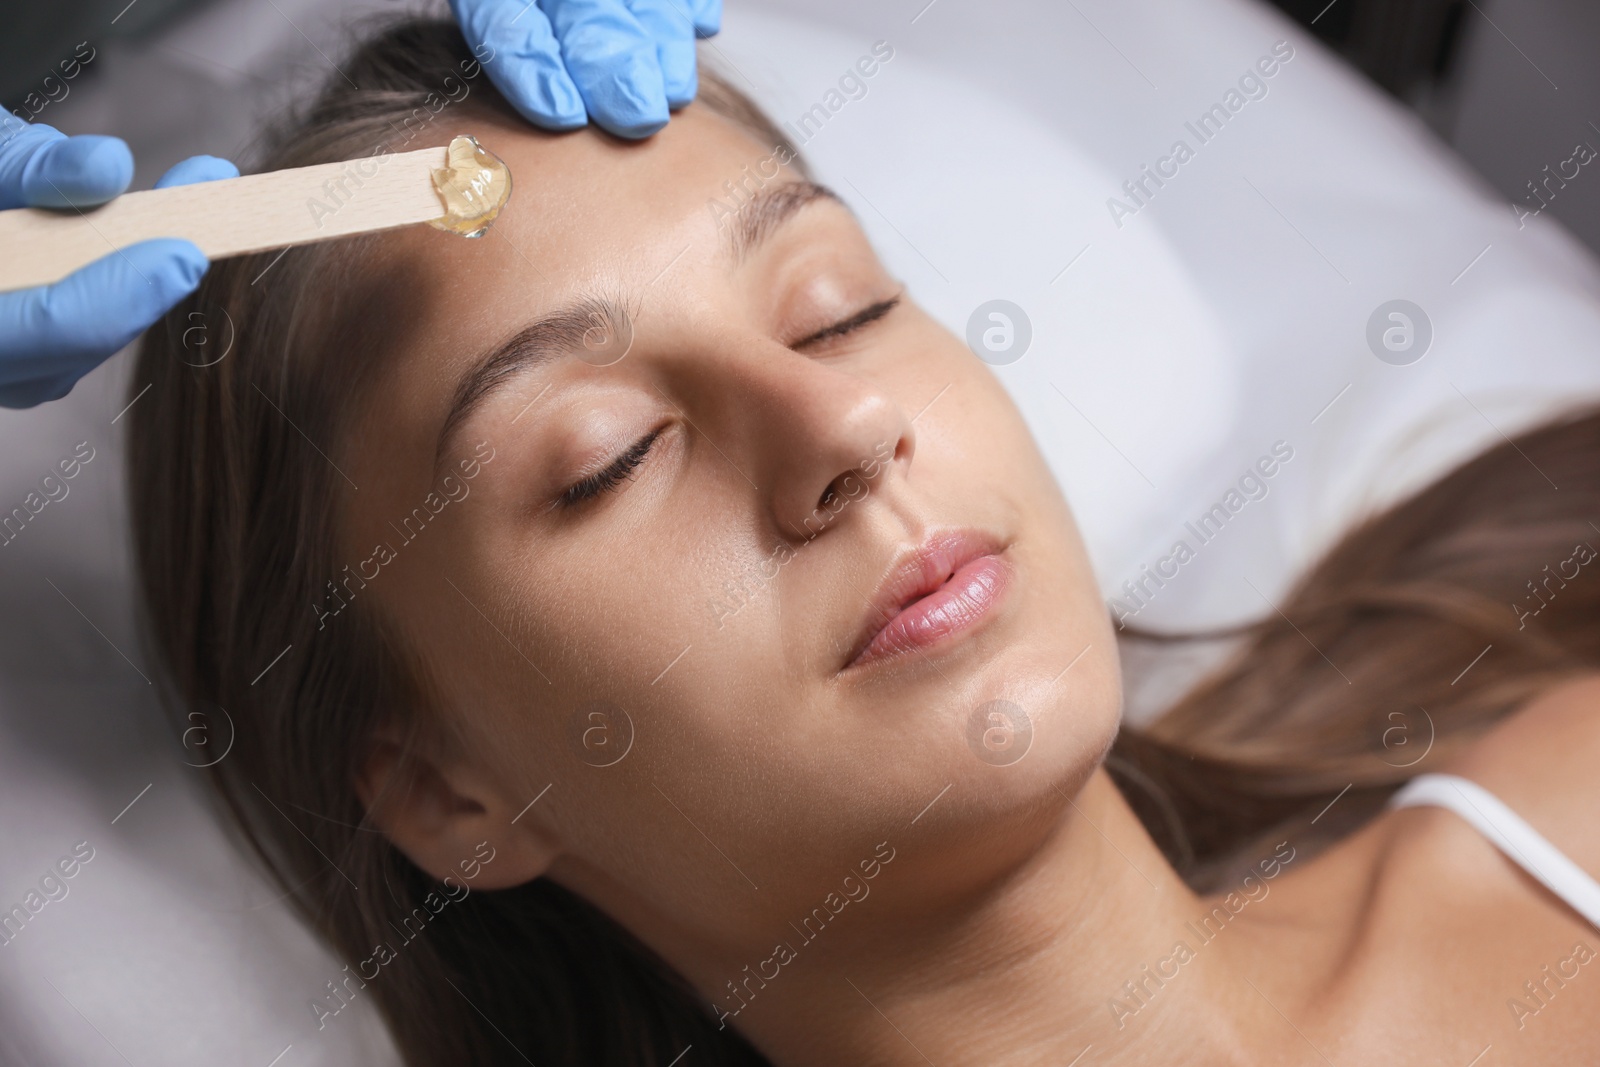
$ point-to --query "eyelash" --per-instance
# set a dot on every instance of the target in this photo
(867, 315)
(625, 465)
(606, 480)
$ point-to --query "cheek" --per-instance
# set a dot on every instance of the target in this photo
(973, 422)
(650, 709)
(632, 625)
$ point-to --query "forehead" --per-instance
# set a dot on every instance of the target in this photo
(586, 207)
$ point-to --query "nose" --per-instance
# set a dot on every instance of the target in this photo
(821, 437)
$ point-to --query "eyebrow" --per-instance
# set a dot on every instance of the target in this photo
(536, 344)
(565, 329)
(771, 207)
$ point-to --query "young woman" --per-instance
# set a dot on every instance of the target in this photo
(652, 639)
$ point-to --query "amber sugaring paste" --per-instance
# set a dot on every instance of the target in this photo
(474, 185)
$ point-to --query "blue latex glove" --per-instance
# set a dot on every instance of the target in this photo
(562, 63)
(54, 335)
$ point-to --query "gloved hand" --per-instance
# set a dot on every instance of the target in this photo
(54, 335)
(619, 63)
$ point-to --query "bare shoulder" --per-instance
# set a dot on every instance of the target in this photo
(1544, 761)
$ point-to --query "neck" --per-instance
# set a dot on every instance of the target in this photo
(1078, 947)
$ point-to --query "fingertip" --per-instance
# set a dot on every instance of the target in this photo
(32, 393)
(524, 62)
(124, 293)
(65, 330)
(542, 93)
(179, 261)
(634, 131)
(197, 169)
(152, 276)
(679, 77)
(630, 102)
(681, 92)
(78, 172)
(553, 123)
(708, 18)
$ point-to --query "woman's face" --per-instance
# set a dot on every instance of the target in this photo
(726, 447)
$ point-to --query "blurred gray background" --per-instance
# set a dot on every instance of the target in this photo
(1512, 85)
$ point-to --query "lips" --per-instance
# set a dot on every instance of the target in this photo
(931, 594)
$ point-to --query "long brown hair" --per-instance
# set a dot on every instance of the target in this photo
(232, 502)
(1419, 630)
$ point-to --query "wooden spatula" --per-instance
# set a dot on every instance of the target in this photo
(263, 211)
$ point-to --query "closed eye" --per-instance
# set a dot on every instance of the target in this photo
(871, 313)
(603, 481)
(623, 467)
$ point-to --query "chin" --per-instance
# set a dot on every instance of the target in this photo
(1038, 730)
(1015, 732)
(1001, 807)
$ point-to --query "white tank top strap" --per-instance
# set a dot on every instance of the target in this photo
(1508, 832)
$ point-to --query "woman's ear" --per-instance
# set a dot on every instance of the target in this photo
(447, 818)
